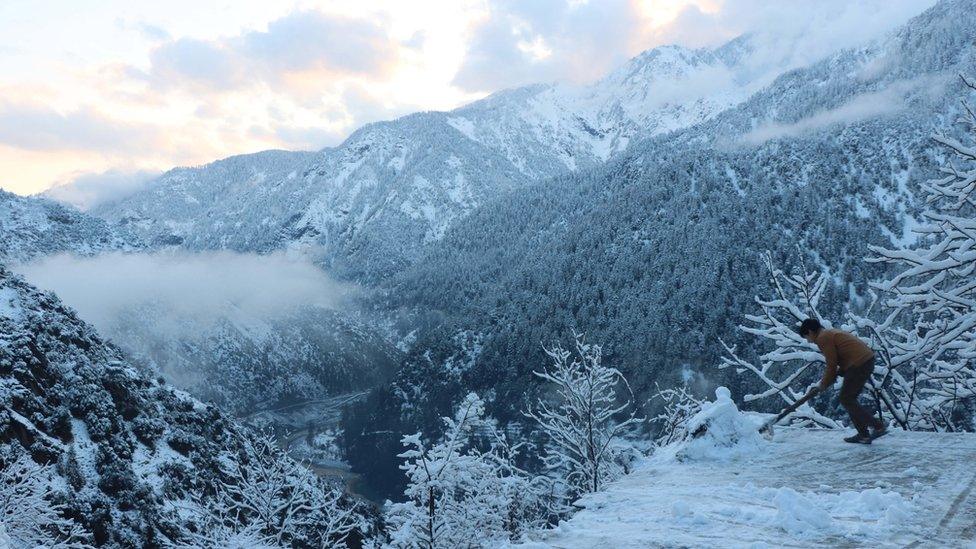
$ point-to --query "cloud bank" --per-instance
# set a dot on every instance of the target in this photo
(193, 290)
(889, 100)
(30, 126)
(301, 42)
(92, 189)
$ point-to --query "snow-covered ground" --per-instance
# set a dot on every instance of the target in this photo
(806, 488)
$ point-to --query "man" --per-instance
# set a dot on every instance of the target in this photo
(851, 358)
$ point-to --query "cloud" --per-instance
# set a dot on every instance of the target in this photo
(524, 42)
(786, 35)
(307, 137)
(192, 290)
(92, 189)
(38, 127)
(890, 100)
(301, 42)
(570, 40)
(153, 32)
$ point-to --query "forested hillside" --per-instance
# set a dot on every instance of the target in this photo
(34, 227)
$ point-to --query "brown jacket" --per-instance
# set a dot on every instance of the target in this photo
(841, 350)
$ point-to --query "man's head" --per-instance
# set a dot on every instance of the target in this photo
(809, 329)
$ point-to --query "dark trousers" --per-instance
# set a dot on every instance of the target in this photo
(854, 380)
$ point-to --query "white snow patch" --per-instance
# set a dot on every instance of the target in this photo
(84, 448)
(10, 304)
(806, 488)
(811, 514)
(462, 125)
(729, 434)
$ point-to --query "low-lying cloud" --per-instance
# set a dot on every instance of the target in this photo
(889, 100)
(194, 290)
(859, 108)
(93, 189)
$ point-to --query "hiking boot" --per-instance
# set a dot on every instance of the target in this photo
(858, 439)
(879, 432)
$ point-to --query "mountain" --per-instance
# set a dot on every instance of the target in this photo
(392, 188)
(240, 360)
(129, 452)
(33, 227)
(656, 255)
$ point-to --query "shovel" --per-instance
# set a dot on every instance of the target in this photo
(767, 428)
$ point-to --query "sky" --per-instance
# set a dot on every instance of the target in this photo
(98, 97)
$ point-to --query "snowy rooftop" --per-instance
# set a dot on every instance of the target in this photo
(806, 488)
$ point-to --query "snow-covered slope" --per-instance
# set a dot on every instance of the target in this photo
(392, 188)
(128, 449)
(808, 488)
(31, 227)
(804, 488)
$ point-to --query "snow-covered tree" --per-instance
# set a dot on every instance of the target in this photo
(29, 517)
(266, 498)
(465, 491)
(678, 406)
(585, 416)
(936, 286)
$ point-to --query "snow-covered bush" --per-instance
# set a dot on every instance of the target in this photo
(678, 406)
(465, 491)
(215, 528)
(29, 517)
(584, 418)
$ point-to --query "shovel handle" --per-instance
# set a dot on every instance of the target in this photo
(791, 408)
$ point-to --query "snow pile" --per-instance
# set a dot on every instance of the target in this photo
(728, 433)
(868, 512)
(798, 514)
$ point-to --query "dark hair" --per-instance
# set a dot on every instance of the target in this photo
(809, 325)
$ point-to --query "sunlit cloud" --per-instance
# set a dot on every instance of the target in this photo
(300, 46)
(138, 86)
(38, 127)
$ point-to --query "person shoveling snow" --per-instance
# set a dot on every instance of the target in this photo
(851, 358)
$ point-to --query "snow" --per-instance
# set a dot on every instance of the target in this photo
(806, 488)
(729, 434)
(462, 125)
(9, 304)
(84, 448)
